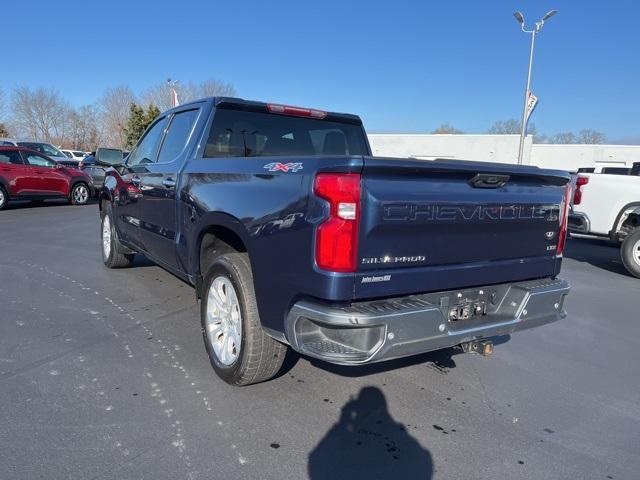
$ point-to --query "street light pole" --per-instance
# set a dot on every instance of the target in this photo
(538, 26)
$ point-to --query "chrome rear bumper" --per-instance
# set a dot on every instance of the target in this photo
(379, 330)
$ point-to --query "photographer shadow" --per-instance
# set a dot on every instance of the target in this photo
(367, 443)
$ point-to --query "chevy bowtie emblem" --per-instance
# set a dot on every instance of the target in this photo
(283, 167)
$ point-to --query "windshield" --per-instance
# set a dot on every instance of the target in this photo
(45, 148)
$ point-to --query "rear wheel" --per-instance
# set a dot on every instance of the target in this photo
(4, 197)
(80, 194)
(630, 252)
(111, 256)
(240, 351)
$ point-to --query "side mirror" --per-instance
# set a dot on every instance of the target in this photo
(111, 157)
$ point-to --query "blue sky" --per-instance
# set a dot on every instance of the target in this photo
(404, 66)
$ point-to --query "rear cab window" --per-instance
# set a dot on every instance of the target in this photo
(237, 133)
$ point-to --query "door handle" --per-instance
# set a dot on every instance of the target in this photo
(169, 182)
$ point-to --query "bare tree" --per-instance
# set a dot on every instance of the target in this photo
(512, 126)
(3, 105)
(447, 128)
(564, 137)
(505, 127)
(591, 137)
(160, 95)
(83, 131)
(114, 113)
(4, 129)
(40, 113)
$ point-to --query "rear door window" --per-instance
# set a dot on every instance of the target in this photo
(237, 133)
(177, 135)
(10, 157)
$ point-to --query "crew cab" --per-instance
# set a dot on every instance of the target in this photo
(608, 206)
(293, 235)
(29, 175)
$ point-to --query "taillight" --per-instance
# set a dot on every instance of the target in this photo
(564, 219)
(337, 236)
(577, 195)
(295, 111)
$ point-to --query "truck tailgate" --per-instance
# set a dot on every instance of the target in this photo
(436, 225)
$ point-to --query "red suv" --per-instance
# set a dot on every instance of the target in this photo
(28, 175)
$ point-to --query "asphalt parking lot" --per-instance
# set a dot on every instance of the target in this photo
(103, 374)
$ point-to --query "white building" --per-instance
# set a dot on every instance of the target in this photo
(503, 149)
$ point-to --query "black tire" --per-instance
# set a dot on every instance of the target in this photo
(4, 197)
(113, 258)
(80, 194)
(630, 252)
(260, 357)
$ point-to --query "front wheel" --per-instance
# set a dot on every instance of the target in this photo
(80, 194)
(240, 352)
(111, 256)
(630, 252)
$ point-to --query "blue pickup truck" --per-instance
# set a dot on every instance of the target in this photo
(295, 236)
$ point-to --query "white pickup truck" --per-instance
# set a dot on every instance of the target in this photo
(609, 206)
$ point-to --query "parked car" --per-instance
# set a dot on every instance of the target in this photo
(373, 258)
(611, 170)
(608, 205)
(8, 142)
(29, 175)
(46, 149)
(74, 154)
(96, 164)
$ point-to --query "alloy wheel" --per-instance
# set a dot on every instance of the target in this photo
(80, 194)
(106, 236)
(635, 252)
(224, 320)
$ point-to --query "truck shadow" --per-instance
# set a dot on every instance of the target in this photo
(596, 252)
(441, 361)
(367, 442)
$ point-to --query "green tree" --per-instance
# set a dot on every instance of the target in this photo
(136, 125)
(3, 130)
(152, 113)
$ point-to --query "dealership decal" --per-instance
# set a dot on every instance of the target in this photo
(374, 279)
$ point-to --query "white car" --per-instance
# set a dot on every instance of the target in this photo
(74, 154)
(608, 205)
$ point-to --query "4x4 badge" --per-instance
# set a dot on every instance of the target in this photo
(283, 167)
